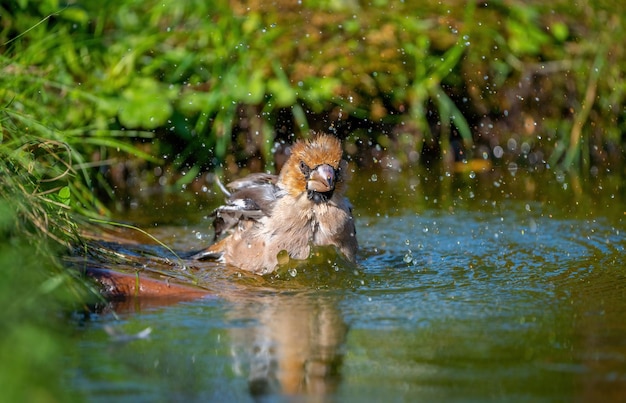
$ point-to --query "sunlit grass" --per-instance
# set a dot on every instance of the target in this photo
(219, 84)
(35, 292)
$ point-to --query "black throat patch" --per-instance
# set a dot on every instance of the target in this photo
(319, 197)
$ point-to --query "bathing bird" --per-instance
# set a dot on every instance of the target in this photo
(267, 217)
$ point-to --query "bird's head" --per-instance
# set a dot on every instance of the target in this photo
(315, 167)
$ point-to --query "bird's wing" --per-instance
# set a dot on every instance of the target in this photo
(252, 180)
(252, 198)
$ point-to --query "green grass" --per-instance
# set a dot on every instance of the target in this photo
(209, 86)
(35, 291)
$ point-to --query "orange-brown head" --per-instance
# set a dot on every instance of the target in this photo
(314, 167)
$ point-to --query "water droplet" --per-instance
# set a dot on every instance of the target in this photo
(498, 152)
(408, 258)
(560, 177)
(511, 144)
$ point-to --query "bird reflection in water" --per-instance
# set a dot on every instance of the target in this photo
(294, 346)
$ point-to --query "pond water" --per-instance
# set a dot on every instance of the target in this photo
(503, 286)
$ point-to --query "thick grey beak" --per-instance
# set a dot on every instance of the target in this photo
(321, 179)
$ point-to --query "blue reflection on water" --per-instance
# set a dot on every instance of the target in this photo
(475, 304)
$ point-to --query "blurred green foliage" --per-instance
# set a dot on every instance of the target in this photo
(35, 287)
(203, 83)
(34, 292)
(43, 185)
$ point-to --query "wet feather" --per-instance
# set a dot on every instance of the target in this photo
(302, 207)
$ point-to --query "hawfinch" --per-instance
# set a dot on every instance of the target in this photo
(302, 207)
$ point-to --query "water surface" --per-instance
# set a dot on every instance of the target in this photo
(507, 286)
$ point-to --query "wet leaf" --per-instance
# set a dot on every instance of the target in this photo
(64, 195)
(75, 14)
(560, 31)
(281, 92)
(525, 39)
(144, 105)
(196, 101)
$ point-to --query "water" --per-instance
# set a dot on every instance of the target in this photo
(493, 287)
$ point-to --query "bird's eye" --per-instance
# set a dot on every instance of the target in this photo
(305, 168)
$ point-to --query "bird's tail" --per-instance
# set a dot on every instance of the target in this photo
(213, 252)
